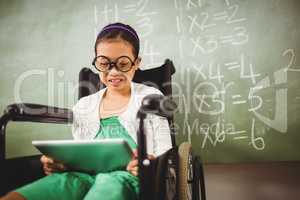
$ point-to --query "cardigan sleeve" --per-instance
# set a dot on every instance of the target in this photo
(76, 127)
(158, 131)
(82, 127)
(158, 128)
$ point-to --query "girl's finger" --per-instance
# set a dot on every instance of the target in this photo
(134, 153)
(135, 169)
(57, 166)
(45, 159)
(151, 157)
(134, 162)
(129, 166)
(134, 173)
(47, 170)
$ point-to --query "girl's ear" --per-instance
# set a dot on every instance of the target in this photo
(138, 62)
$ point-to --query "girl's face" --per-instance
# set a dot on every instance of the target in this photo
(113, 49)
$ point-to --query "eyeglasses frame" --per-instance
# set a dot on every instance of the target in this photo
(113, 64)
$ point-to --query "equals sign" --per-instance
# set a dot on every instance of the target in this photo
(226, 39)
(130, 8)
(232, 65)
(220, 16)
(240, 137)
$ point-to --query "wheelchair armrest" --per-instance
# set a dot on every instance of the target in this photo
(32, 113)
(38, 113)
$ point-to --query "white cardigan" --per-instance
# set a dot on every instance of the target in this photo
(86, 119)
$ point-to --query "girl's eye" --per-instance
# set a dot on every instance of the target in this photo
(103, 64)
(124, 63)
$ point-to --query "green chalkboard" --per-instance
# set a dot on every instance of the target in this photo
(238, 74)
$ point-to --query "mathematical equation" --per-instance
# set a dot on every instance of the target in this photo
(204, 31)
(210, 98)
(138, 13)
(217, 133)
(200, 27)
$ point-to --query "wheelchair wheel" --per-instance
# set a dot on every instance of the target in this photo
(185, 171)
(190, 174)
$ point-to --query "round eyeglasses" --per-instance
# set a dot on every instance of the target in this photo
(104, 64)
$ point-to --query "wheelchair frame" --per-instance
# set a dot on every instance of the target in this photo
(179, 171)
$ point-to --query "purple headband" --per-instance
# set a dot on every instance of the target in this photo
(120, 27)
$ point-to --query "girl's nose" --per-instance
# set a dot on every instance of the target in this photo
(113, 71)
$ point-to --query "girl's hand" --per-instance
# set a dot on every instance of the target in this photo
(132, 166)
(50, 165)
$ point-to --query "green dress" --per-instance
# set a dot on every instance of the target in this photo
(115, 185)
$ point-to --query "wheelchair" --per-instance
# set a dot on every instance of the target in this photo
(175, 175)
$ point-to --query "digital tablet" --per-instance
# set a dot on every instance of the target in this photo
(90, 156)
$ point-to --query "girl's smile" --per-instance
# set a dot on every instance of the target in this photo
(115, 82)
(114, 79)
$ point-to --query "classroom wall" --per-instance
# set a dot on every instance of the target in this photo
(237, 80)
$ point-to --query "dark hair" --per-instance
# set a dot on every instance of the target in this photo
(120, 30)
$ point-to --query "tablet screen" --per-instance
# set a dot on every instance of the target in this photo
(91, 156)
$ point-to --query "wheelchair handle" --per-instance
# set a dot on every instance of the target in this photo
(159, 105)
(152, 104)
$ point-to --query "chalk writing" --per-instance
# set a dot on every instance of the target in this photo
(144, 21)
(291, 52)
(279, 122)
(193, 4)
(238, 101)
(208, 103)
(242, 65)
(205, 44)
(151, 55)
(234, 9)
(257, 142)
(204, 23)
(218, 75)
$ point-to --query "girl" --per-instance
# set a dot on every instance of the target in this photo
(109, 113)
